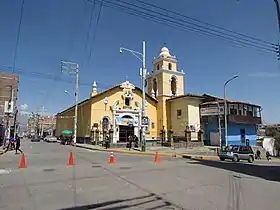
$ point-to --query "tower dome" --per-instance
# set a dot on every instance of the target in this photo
(164, 52)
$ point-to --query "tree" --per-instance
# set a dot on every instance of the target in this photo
(275, 133)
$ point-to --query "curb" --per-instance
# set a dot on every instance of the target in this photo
(187, 156)
(2, 152)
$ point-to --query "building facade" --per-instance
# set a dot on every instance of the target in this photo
(242, 122)
(119, 108)
(8, 97)
(172, 114)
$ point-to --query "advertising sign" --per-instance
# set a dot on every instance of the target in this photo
(208, 111)
(145, 121)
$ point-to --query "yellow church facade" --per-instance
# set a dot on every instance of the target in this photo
(118, 110)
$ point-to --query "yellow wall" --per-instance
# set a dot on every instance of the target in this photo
(65, 121)
(98, 109)
(164, 65)
(93, 110)
(190, 114)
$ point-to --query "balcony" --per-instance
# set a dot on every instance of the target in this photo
(244, 119)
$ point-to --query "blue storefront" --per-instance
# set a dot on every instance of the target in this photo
(242, 118)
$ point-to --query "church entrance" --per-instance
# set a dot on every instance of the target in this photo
(124, 132)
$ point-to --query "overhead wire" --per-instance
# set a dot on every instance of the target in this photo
(90, 23)
(194, 25)
(96, 28)
(46, 76)
(158, 20)
(18, 35)
(205, 23)
(175, 24)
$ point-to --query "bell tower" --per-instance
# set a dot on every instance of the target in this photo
(165, 82)
(165, 79)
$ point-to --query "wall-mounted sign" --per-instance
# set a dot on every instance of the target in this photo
(145, 121)
(208, 111)
(126, 121)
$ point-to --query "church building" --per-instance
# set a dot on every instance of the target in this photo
(118, 109)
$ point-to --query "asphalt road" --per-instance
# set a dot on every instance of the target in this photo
(133, 182)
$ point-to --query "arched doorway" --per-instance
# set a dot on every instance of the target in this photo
(126, 129)
(173, 86)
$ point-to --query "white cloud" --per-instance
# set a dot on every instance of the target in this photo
(24, 112)
(23, 107)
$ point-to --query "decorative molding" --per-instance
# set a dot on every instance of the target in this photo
(155, 73)
(127, 85)
(160, 58)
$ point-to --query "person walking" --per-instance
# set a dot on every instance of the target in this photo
(268, 156)
(18, 144)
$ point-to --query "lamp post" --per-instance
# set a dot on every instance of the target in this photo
(142, 58)
(225, 107)
(278, 13)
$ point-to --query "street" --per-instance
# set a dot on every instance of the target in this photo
(133, 182)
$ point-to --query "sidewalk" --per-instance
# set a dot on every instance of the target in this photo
(196, 153)
(202, 153)
(2, 151)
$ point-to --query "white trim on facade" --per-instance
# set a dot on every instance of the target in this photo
(155, 73)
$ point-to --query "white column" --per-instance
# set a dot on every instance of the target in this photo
(116, 132)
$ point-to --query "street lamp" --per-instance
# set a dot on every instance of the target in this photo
(142, 58)
(225, 107)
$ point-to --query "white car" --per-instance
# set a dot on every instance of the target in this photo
(50, 139)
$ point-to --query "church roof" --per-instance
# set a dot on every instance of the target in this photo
(100, 93)
(187, 95)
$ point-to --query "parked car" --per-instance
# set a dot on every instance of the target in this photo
(35, 139)
(237, 153)
(50, 139)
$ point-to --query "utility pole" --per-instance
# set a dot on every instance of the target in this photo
(219, 122)
(42, 120)
(15, 122)
(143, 95)
(225, 108)
(11, 106)
(66, 66)
(143, 79)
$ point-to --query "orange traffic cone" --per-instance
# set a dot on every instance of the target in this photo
(111, 158)
(22, 161)
(70, 161)
(157, 158)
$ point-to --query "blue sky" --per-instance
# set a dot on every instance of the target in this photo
(57, 29)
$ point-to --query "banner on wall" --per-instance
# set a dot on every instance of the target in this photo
(126, 121)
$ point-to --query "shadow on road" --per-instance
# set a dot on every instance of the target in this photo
(267, 172)
(124, 203)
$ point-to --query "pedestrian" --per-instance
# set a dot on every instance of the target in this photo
(258, 155)
(130, 139)
(136, 140)
(267, 155)
(18, 144)
(107, 142)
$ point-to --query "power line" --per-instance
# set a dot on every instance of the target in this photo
(178, 25)
(46, 76)
(139, 14)
(192, 24)
(205, 23)
(90, 22)
(18, 35)
(96, 27)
